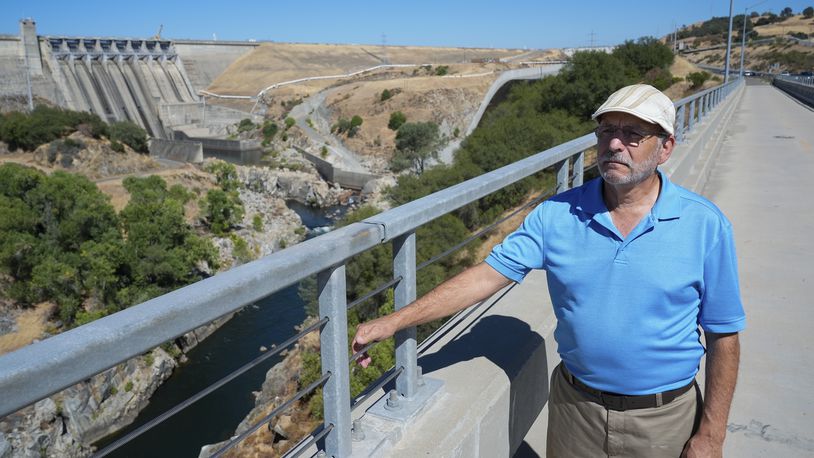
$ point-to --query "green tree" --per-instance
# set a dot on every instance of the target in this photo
(386, 94)
(415, 144)
(786, 12)
(222, 210)
(269, 130)
(130, 134)
(397, 118)
(808, 12)
(643, 55)
(225, 175)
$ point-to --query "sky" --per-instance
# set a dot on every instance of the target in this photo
(473, 23)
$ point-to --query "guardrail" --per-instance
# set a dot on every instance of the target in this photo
(41, 369)
(800, 87)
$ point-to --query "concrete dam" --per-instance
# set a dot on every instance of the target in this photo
(118, 79)
(144, 81)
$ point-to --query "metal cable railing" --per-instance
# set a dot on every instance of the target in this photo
(206, 391)
(39, 370)
(276, 411)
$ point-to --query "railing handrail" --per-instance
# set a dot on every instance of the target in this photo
(39, 370)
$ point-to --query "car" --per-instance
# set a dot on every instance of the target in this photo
(806, 73)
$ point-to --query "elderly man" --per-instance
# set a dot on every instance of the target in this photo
(634, 265)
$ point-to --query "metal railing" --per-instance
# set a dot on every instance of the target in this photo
(41, 369)
(800, 87)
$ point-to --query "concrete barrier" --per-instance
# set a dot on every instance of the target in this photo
(177, 150)
(345, 178)
(801, 92)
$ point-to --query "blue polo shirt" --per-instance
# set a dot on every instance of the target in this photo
(628, 309)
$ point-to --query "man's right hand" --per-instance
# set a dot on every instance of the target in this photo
(372, 331)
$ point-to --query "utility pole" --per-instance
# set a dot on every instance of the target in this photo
(728, 44)
(743, 35)
(592, 38)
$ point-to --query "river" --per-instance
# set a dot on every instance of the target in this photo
(215, 417)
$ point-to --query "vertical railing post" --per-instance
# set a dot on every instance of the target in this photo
(562, 176)
(691, 119)
(334, 353)
(403, 294)
(579, 166)
(679, 128)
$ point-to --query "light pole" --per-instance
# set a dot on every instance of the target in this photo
(728, 44)
(743, 34)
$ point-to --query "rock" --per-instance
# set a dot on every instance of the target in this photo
(5, 447)
(7, 325)
(263, 349)
(3, 150)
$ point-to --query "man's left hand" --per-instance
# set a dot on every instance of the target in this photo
(702, 446)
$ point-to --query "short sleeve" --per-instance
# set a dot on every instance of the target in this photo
(721, 307)
(522, 250)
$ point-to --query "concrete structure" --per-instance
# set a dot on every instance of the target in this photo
(177, 150)
(116, 78)
(345, 178)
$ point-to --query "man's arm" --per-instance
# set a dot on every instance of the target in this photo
(470, 286)
(723, 357)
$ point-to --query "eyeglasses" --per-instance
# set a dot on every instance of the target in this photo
(629, 136)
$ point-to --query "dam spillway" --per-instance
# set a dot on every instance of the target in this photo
(118, 79)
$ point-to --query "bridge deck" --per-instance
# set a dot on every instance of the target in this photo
(760, 180)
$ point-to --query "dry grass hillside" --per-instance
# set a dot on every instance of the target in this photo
(278, 62)
(780, 55)
(449, 102)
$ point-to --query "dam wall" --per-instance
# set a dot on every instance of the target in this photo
(120, 79)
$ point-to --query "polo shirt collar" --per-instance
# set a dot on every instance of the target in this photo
(667, 206)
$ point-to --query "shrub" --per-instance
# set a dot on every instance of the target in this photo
(222, 210)
(697, 79)
(225, 175)
(240, 249)
(289, 122)
(441, 70)
(116, 146)
(323, 151)
(128, 387)
(456, 132)
(245, 125)
(130, 134)
(269, 130)
(397, 118)
(659, 78)
(808, 12)
(386, 94)
(257, 223)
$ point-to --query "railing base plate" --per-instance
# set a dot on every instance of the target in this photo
(408, 408)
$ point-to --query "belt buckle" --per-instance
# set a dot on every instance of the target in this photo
(612, 402)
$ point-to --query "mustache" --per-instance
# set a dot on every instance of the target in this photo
(610, 156)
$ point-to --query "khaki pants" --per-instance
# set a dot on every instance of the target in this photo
(579, 427)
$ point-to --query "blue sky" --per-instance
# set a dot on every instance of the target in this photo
(473, 23)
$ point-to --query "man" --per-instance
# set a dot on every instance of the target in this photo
(634, 265)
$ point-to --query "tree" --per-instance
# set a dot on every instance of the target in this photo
(786, 12)
(130, 134)
(397, 118)
(644, 55)
(808, 12)
(222, 210)
(415, 144)
(386, 94)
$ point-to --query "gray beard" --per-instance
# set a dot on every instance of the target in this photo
(638, 172)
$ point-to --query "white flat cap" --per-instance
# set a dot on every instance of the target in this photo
(644, 102)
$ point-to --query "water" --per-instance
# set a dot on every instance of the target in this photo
(215, 417)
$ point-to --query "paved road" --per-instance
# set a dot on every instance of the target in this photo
(762, 181)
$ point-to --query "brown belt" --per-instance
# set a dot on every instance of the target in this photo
(620, 402)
